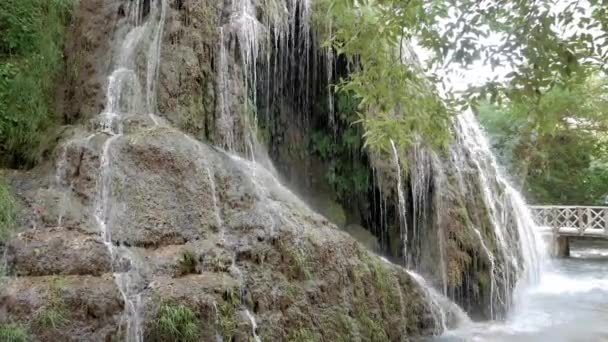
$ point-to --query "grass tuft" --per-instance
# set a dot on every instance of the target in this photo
(54, 314)
(187, 263)
(13, 333)
(175, 322)
(8, 212)
(227, 315)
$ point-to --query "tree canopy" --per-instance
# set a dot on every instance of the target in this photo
(545, 44)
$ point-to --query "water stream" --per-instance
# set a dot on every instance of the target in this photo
(124, 97)
(401, 197)
(569, 303)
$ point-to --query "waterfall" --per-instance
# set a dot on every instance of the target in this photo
(492, 270)
(267, 52)
(521, 250)
(401, 197)
(508, 244)
(254, 326)
(124, 96)
(444, 311)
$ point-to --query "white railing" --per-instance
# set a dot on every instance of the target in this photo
(572, 220)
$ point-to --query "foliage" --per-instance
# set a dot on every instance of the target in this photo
(543, 45)
(7, 212)
(187, 263)
(301, 335)
(396, 101)
(555, 145)
(175, 322)
(227, 315)
(342, 150)
(13, 333)
(31, 36)
(54, 314)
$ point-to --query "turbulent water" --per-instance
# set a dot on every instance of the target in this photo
(554, 300)
(569, 303)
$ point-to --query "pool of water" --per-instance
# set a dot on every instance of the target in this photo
(570, 303)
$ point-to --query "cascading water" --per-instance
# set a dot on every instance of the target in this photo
(441, 307)
(270, 48)
(268, 53)
(124, 96)
(401, 198)
(510, 217)
(254, 326)
(492, 270)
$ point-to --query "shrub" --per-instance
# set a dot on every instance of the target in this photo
(54, 314)
(187, 263)
(13, 333)
(175, 322)
(31, 58)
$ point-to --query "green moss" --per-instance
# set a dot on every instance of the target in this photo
(336, 325)
(369, 325)
(13, 333)
(175, 322)
(8, 212)
(299, 265)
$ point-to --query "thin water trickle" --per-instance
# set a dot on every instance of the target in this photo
(402, 207)
(216, 210)
(254, 325)
(492, 271)
(124, 96)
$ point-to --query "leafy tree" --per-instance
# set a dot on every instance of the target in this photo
(555, 146)
(396, 100)
(546, 47)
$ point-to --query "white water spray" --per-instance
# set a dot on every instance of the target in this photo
(444, 311)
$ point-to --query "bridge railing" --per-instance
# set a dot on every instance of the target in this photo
(579, 219)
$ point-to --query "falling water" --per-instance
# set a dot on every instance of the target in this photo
(124, 96)
(445, 312)
(492, 271)
(276, 45)
(506, 206)
(402, 210)
(216, 210)
(254, 326)
(420, 180)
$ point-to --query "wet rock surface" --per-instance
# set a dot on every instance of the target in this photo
(49, 252)
(209, 230)
(184, 223)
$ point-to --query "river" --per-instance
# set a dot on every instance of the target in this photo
(569, 304)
